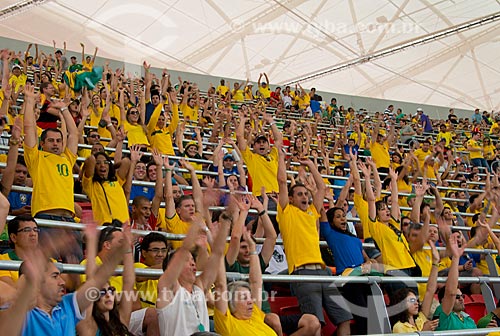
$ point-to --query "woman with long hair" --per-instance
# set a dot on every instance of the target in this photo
(106, 317)
(412, 316)
(132, 119)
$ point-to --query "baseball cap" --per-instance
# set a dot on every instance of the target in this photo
(228, 156)
(419, 109)
(261, 137)
(16, 66)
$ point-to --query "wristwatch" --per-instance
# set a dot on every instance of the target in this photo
(63, 108)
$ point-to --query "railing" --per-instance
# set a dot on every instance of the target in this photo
(376, 311)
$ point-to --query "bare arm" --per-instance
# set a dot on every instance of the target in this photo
(207, 278)
(12, 155)
(448, 300)
(169, 195)
(432, 282)
(158, 196)
(168, 283)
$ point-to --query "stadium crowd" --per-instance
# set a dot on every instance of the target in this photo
(227, 166)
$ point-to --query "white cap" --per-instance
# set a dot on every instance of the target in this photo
(420, 109)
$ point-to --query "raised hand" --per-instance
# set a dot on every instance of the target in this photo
(157, 157)
(135, 153)
(186, 165)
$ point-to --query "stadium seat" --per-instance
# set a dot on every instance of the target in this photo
(476, 310)
(477, 298)
(279, 302)
(468, 299)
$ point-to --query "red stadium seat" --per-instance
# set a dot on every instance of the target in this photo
(468, 299)
(476, 310)
(278, 302)
(477, 298)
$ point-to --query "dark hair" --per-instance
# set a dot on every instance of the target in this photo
(13, 225)
(182, 199)
(292, 189)
(331, 213)
(397, 298)
(44, 85)
(138, 200)
(43, 136)
(111, 170)
(151, 238)
(405, 177)
(149, 164)
(112, 327)
(105, 235)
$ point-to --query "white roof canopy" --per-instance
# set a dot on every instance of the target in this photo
(292, 40)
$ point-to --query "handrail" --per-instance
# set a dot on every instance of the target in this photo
(177, 237)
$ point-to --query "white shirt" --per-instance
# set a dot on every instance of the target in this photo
(184, 314)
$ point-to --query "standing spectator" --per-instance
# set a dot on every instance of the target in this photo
(476, 117)
(50, 168)
(477, 151)
(298, 222)
(452, 117)
(424, 121)
(264, 89)
(379, 148)
(262, 162)
(181, 305)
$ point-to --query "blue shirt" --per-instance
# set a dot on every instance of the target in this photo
(17, 200)
(63, 321)
(137, 190)
(346, 249)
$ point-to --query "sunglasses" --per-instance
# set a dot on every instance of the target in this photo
(413, 300)
(134, 112)
(459, 296)
(95, 136)
(110, 290)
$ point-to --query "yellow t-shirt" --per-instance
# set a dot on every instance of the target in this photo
(476, 154)
(362, 143)
(177, 226)
(228, 325)
(263, 170)
(135, 134)
(113, 191)
(362, 208)
(95, 115)
(421, 155)
(17, 81)
(265, 91)
(303, 102)
(380, 154)
(406, 327)
(14, 275)
(87, 66)
(52, 177)
(147, 290)
(395, 250)
(489, 152)
(189, 113)
(423, 258)
(161, 139)
(299, 230)
(115, 281)
(447, 136)
(222, 89)
(238, 95)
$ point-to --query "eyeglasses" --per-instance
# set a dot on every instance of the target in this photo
(158, 250)
(29, 229)
(134, 112)
(413, 300)
(459, 296)
(110, 290)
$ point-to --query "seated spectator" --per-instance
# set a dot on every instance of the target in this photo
(414, 316)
